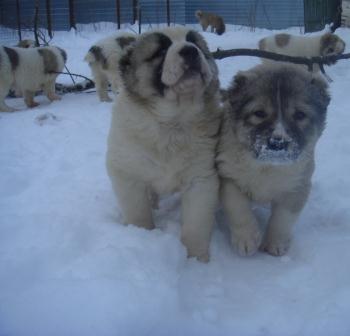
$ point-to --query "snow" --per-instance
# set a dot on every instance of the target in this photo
(68, 267)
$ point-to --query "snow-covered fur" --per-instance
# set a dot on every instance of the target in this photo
(29, 70)
(306, 46)
(164, 132)
(103, 58)
(274, 116)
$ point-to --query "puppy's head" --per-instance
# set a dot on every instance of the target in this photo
(278, 111)
(169, 64)
(198, 14)
(27, 44)
(331, 44)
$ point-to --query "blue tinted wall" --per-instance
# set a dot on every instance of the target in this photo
(258, 13)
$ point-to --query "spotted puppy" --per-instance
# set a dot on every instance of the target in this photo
(103, 59)
(274, 117)
(29, 70)
(164, 132)
(306, 46)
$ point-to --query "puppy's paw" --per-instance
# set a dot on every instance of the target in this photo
(276, 246)
(247, 240)
(33, 104)
(54, 96)
(106, 99)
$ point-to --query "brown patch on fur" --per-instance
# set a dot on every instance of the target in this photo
(50, 60)
(100, 58)
(282, 40)
(13, 57)
(63, 54)
(125, 41)
(328, 44)
(262, 44)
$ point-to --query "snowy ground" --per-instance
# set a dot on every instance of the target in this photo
(67, 267)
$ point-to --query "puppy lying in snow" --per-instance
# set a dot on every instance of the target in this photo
(275, 115)
(306, 46)
(103, 59)
(164, 132)
(29, 70)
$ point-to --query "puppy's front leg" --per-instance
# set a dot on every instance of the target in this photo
(133, 198)
(199, 202)
(284, 214)
(245, 233)
(29, 99)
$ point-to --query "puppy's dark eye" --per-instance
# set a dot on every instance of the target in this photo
(299, 116)
(330, 50)
(260, 114)
(157, 54)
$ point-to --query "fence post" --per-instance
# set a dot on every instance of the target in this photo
(134, 10)
(18, 13)
(36, 19)
(48, 17)
(71, 14)
(168, 12)
(118, 12)
(140, 18)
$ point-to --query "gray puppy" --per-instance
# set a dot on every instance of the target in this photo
(274, 116)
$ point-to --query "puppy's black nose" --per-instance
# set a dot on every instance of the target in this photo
(190, 55)
(277, 143)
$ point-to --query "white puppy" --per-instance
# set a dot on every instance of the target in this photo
(164, 132)
(103, 59)
(306, 46)
(29, 70)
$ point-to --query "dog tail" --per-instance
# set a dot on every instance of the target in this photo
(221, 27)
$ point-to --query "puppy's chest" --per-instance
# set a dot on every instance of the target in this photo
(263, 183)
(168, 154)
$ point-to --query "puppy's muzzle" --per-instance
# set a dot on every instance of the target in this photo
(191, 57)
(277, 143)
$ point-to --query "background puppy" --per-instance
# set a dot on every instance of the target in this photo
(274, 117)
(307, 46)
(103, 59)
(164, 132)
(29, 70)
(216, 22)
(26, 44)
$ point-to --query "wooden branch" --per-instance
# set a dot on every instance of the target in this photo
(72, 74)
(220, 54)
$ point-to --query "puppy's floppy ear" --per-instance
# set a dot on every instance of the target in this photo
(237, 87)
(126, 61)
(319, 93)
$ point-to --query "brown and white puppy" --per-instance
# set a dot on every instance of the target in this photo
(164, 132)
(306, 46)
(274, 116)
(215, 22)
(29, 70)
(103, 59)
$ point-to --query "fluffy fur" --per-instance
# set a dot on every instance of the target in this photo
(164, 132)
(307, 46)
(215, 22)
(103, 59)
(29, 70)
(273, 118)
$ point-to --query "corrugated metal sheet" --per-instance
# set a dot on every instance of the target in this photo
(257, 13)
(273, 14)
